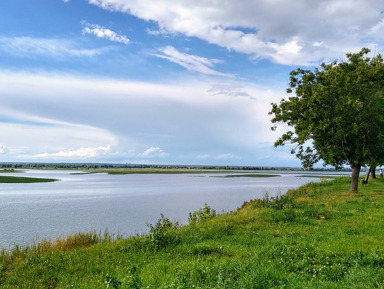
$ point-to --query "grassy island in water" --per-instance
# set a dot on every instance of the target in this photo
(11, 179)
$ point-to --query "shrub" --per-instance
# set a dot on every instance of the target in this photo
(158, 235)
(203, 214)
(280, 202)
(254, 203)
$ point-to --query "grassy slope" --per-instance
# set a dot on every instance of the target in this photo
(319, 236)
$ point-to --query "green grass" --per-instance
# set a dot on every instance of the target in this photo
(10, 179)
(318, 236)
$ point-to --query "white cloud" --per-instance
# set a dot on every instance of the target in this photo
(203, 156)
(228, 89)
(190, 62)
(227, 157)
(3, 149)
(102, 32)
(27, 46)
(286, 32)
(44, 114)
(153, 152)
(221, 157)
(28, 141)
(81, 153)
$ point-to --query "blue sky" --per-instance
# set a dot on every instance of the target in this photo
(163, 81)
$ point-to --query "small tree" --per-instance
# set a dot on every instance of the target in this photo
(337, 113)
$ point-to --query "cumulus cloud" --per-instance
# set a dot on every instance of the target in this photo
(286, 32)
(81, 153)
(102, 32)
(153, 152)
(191, 62)
(27, 46)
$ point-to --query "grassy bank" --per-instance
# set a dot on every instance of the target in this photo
(10, 179)
(318, 236)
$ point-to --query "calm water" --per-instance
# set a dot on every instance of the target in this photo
(120, 203)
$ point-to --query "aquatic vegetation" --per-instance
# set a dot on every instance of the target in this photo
(10, 179)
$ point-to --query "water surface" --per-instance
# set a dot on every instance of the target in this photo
(120, 203)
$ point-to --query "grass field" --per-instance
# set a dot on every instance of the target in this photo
(318, 236)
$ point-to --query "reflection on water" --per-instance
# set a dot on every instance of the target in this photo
(120, 203)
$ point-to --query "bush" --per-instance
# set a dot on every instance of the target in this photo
(203, 214)
(252, 204)
(158, 235)
(280, 202)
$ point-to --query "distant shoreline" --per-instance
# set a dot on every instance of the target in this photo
(89, 166)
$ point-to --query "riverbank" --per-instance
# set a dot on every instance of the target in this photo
(318, 236)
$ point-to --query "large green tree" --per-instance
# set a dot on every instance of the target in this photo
(337, 113)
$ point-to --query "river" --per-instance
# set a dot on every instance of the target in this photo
(120, 203)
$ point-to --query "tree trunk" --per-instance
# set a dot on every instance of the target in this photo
(373, 172)
(355, 176)
(367, 175)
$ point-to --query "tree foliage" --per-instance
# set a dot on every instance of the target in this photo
(337, 113)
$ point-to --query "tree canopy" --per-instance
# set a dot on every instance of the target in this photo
(337, 113)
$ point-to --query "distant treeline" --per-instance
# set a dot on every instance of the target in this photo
(86, 166)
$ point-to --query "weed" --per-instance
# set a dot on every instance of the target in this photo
(112, 282)
(251, 204)
(158, 234)
(280, 202)
(332, 266)
(203, 214)
(181, 281)
(132, 281)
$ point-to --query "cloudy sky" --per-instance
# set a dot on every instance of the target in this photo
(163, 81)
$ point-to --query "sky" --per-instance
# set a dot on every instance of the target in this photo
(179, 82)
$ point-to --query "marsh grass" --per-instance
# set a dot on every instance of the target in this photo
(11, 179)
(2, 171)
(318, 236)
